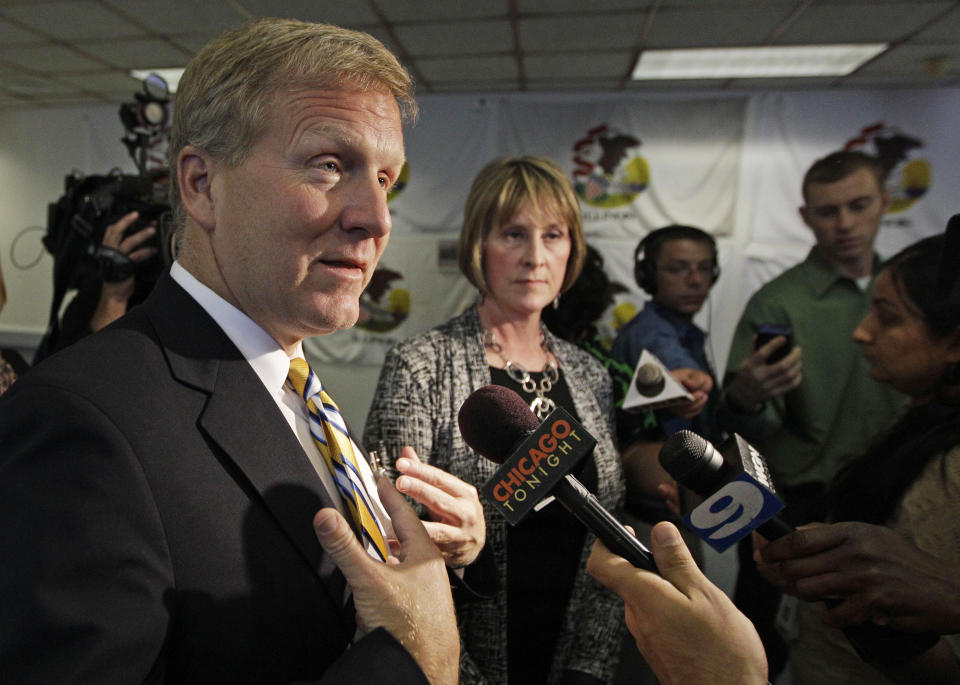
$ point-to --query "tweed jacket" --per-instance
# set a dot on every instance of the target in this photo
(422, 385)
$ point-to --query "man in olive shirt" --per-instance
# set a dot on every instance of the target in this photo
(810, 412)
(816, 408)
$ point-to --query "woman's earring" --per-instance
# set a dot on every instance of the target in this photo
(556, 302)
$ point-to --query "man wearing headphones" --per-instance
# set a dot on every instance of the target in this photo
(677, 266)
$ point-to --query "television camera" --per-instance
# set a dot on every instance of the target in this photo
(76, 221)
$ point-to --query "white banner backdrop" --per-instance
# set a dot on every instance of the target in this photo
(453, 138)
(638, 164)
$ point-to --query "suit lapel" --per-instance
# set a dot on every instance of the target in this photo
(245, 423)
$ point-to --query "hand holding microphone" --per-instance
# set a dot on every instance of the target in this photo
(687, 629)
(696, 382)
(535, 460)
(739, 498)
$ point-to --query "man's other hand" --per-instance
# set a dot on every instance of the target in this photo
(409, 596)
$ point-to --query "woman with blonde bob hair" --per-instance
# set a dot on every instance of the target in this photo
(535, 616)
(497, 194)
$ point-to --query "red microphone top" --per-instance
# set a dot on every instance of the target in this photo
(493, 420)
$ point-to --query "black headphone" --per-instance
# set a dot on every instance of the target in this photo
(648, 249)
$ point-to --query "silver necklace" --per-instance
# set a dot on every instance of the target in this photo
(541, 404)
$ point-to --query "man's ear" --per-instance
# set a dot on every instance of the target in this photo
(195, 168)
(804, 212)
(952, 350)
(885, 198)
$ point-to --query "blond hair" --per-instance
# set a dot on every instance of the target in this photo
(497, 194)
(223, 99)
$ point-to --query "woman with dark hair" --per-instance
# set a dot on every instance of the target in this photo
(908, 481)
(542, 618)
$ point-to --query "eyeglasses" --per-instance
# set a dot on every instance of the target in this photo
(686, 270)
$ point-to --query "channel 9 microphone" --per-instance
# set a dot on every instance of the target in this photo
(535, 459)
(739, 497)
(735, 484)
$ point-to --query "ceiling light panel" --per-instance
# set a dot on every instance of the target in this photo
(755, 62)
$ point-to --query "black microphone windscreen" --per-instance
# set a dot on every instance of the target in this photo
(650, 381)
(493, 419)
(685, 453)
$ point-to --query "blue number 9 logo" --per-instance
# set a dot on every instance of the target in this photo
(728, 510)
(733, 511)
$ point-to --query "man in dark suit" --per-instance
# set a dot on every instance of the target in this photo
(158, 480)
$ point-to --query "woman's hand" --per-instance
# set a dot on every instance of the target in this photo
(457, 526)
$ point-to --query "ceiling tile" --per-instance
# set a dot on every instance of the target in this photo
(609, 66)
(66, 99)
(476, 86)
(558, 34)
(579, 6)
(912, 56)
(917, 64)
(944, 30)
(11, 35)
(825, 82)
(558, 84)
(886, 22)
(451, 38)
(112, 82)
(468, 69)
(898, 81)
(136, 54)
(32, 86)
(72, 20)
(715, 26)
(191, 42)
(8, 101)
(48, 58)
(684, 85)
(381, 34)
(433, 10)
(180, 16)
(733, 4)
(341, 13)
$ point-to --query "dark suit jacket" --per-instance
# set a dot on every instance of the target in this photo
(156, 520)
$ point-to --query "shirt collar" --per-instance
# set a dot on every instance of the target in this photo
(821, 274)
(268, 359)
(684, 327)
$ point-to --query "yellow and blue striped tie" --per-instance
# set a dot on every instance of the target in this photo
(330, 434)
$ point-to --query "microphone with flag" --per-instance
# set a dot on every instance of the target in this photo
(652, 386)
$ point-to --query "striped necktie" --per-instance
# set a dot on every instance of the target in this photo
(330, 434)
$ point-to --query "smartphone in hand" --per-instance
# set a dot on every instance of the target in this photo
(767, 333)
